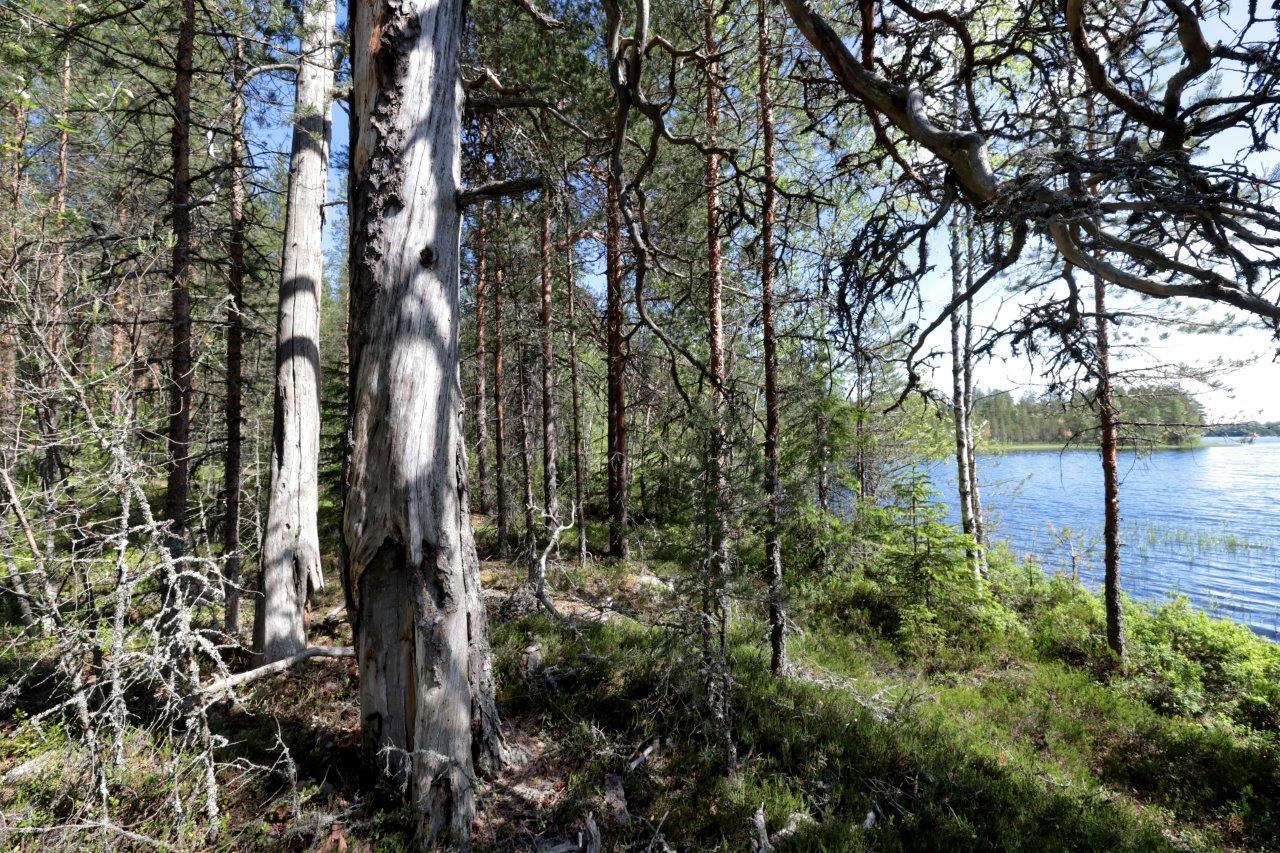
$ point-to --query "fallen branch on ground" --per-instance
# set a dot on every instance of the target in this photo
(231, 681)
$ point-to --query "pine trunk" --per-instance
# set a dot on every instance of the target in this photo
(411, 575)
(550, 479)
(180, 367)
(975, 493)
(529, 538)
(1110, 480)
(291, 546)
(579, 463)
(619, 467)
(499, 420)
(714, 603)
(772, 489)
(482, 358)
(49, 412)
(233, 410)
(959, 413)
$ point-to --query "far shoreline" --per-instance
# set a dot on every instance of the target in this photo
(994, 449)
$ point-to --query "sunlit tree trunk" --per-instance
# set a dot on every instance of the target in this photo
(1109, 423)
(529, 537)
(772, 488)
(975, 493)
(232, 412)
(291, 546)
(55, 339)
(482, 359)
(619, 464)
(410, 574)
(714, 604)
(550, 479)
(959, 413)
(579, 463)
(180, 366)
(17, 137)
(499, 418)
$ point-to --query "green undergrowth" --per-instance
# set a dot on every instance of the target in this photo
(926, 710)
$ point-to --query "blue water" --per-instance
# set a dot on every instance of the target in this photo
(1201, 522)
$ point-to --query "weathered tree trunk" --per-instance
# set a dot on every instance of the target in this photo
(823, 485)
(619, 464)
(499, 419)
(579, 463)
(550, 480)
(959, 413)
(975, 493)
(714, 604)
(233, 409)
(17, 137)
(180, 368)
(482, 358)
(488, 750)
(55, 338)
(1110, 479)
(772, 486)
(529, 537)
(291, 545)
(13, 191)
(410, 575)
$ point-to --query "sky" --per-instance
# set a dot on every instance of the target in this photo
(1243, 373)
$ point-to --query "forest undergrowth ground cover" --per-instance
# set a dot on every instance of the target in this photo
(987, 721)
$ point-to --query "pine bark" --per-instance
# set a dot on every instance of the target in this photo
(529, 537)
(714, 603)
(50, 415)
(482, 359)
(975, 493)
(550, 477)
(1109, 422)
(772, 488)
(177, 481)
(959, 411)
(232, 483)
(14, 171)
(575, 387)
(291, 547)
(619, 464)
(411, 576)
(499, 419)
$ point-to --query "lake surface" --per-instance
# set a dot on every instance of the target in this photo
(1202, 522)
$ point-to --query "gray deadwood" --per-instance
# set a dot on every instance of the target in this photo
(772, 420)
(550, 478)
(411, 576)
(960, 414)
(291, 546)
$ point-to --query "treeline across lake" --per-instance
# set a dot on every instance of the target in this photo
(1244, 429)
(1152, 414)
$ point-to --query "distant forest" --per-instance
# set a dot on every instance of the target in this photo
(1244, 429)
(1157, 414)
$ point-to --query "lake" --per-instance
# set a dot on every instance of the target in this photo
(1203, 522)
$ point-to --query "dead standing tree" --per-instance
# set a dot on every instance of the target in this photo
(411, 576)
(291, 546)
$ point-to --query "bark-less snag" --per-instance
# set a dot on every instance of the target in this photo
(291, 546)
(411, 574)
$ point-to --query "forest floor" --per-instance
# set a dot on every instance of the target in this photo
(887, 735)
